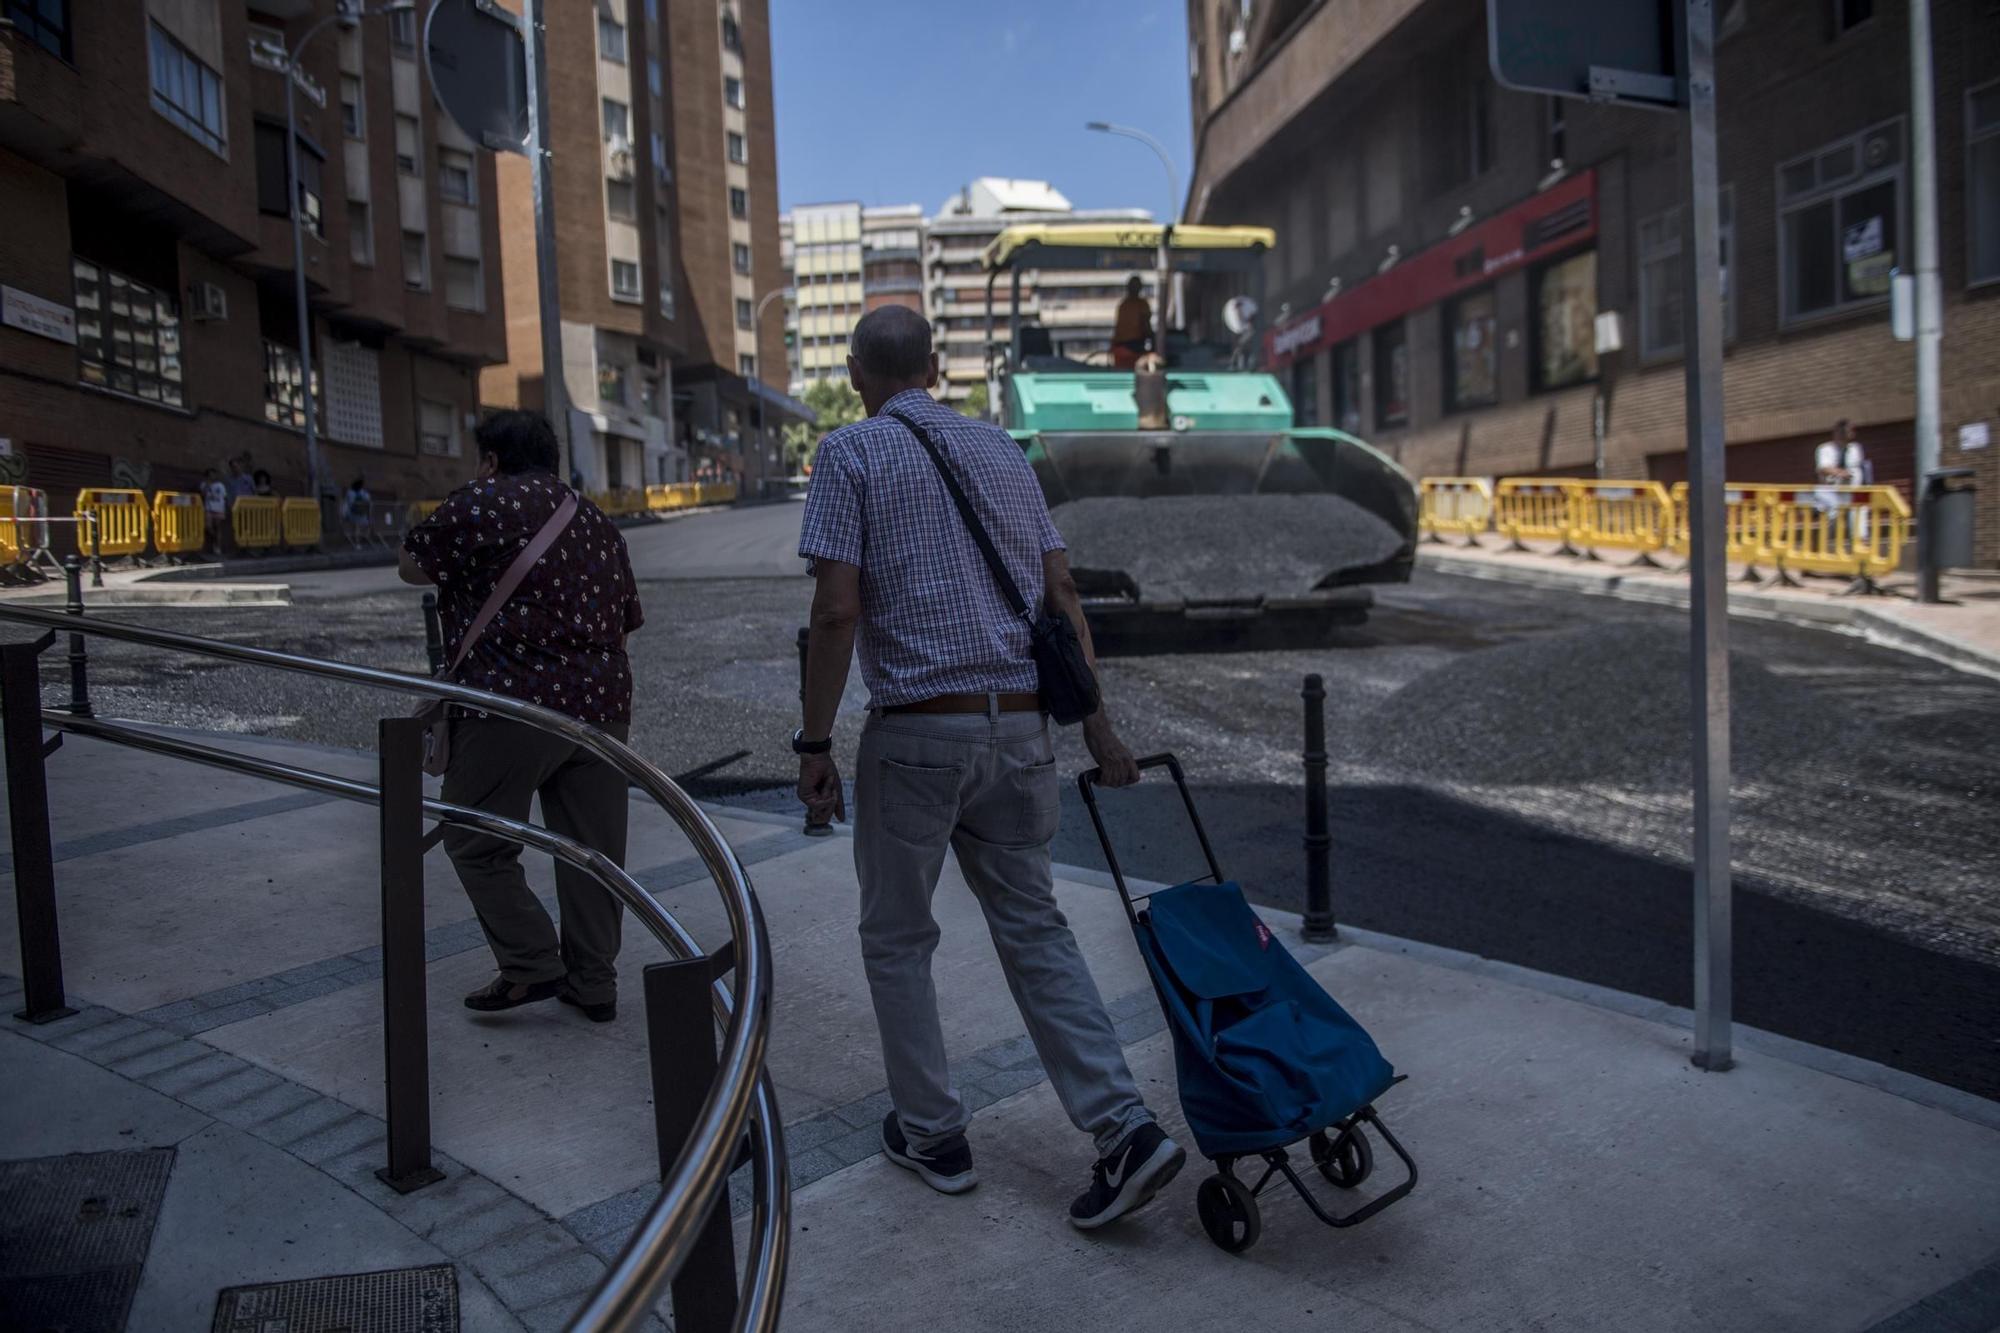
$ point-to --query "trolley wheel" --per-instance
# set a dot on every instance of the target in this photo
(1228, 1213)
(1345, 1161)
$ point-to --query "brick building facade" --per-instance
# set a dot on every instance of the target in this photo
(1446, 245)
(149, 331)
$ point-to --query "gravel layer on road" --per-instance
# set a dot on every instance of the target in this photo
(1223, 547)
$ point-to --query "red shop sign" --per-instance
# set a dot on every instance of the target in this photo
(1535, 229)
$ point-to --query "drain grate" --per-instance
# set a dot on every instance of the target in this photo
(74, 1232)
(396, 1300)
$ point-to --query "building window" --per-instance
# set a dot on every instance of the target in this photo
(617, 122)
(610, 39)
(353, 122)
(455, 177)
(660, 157)
(409, 150)
(403, 30)
(611, 382)
(739, 202)
(655, 81)
(284, 386)
(416, 261)
(732, 35)
(621, 200)
(360, 233)
(1982, 181)
(1851, 14)
(273, 171)
(1305, 391)
(746, 365)
(437, 428)
(1392, 376)
(739, 253)
(187, 92)
(128, 335)
(1472, 358)
(1565, 321)
(43, 22)
(624, 280)
(732, 91)
(1661, 278)
(1459, 122)
(738, 153)
(1347, 387)
(743, 313)
(666, 299)
(464, 283)
(1839, 224)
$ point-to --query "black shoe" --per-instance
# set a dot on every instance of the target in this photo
(596, 1013)
(946, 1169)
(1128, 1178)
(505, 994)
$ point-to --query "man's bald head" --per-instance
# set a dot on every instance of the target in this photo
(888, 352)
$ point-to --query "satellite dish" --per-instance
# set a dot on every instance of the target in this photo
(1239, 314)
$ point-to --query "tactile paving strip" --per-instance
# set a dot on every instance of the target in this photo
(74, 1232)
(396, 1300)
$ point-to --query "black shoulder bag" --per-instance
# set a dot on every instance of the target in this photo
(1068, 686)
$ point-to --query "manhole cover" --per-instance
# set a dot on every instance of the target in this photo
(397, 1300)
(74, 1232)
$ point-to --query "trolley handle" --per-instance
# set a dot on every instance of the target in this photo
(1087, 783)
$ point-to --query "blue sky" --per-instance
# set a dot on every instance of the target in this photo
(903, 101)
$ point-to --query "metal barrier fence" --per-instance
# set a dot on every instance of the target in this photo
(418, 511)
(121, 521)
(705, 1104)
(1621, 516)
(300, 522)
(24, 526)
(256, 522)
(1746, 525)
(1858, 531)
(689, 495)
(180, 524)
(1532, 508)
(1463, 505)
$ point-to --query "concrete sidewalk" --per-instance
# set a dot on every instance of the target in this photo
(220, 938)
(1963, 630)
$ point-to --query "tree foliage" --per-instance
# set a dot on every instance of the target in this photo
(975, 404)
(836, 405)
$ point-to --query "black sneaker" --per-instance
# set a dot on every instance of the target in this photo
(1128, 1178)
(946, 1169)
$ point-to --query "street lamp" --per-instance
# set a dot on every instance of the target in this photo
(756, 380)
(347, 13)
(1173, 209)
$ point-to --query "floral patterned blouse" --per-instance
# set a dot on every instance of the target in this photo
(560, 639)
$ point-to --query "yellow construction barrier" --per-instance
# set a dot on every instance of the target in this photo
(1746, 525)
(24, 529)
(661, 498)
(301, 522)
(179, 523)
(1462, 505)
(715, 493)
(1859, 531)
(418, 511)
(121, 522)
(1537, 507)
(256, 521)
(1620, 515)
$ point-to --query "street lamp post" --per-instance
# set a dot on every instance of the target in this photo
(346, 13)
(756, 380)
(1173, 212)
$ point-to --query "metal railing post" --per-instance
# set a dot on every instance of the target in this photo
(79, 653)
(680, 1038)
(405, 1017)
(1318, 927)
(28, 820)
(811, 830)
(433, 634)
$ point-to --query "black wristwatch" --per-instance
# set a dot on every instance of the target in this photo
(800, 745)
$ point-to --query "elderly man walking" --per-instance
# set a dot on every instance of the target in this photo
(955, 755)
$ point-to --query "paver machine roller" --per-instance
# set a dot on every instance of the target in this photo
(1198, 515)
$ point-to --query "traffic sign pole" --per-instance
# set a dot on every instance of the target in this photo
(548, 290)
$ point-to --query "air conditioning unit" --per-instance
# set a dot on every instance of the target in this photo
(207, 301)
(620, 162)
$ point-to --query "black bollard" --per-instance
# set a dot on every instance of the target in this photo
(79, 657)
(1318, 926)
(811, 830)
(433, 635)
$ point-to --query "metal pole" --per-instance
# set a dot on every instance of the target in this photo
(1173, 215)
(811, 830)
(79, 654)
(405, 1017)
(548, 289)
(1709, 656)
(1318, 927)
(680, 1039)
(299, 264)
(28, 818)
(1930, 297)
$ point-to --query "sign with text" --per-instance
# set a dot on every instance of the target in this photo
(34, 314)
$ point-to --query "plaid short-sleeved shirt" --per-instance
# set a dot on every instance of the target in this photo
(560, 639)
(933, 621)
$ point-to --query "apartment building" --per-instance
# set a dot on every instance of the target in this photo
(1079, 307)
(1446, 246)
(147, 324)
(841, 261)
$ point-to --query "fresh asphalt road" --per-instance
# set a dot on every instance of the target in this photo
(1509, 773)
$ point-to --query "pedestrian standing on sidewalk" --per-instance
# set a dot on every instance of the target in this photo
(215, 507)
(555, 637)
(955, 755)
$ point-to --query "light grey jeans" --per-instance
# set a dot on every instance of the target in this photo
(986, 788)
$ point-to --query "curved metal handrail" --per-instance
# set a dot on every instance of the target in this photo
(660, 1244)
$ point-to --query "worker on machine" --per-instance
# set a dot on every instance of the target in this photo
(1132, 334)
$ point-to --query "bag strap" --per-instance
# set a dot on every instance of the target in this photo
(510, 579)
(1008, 587)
